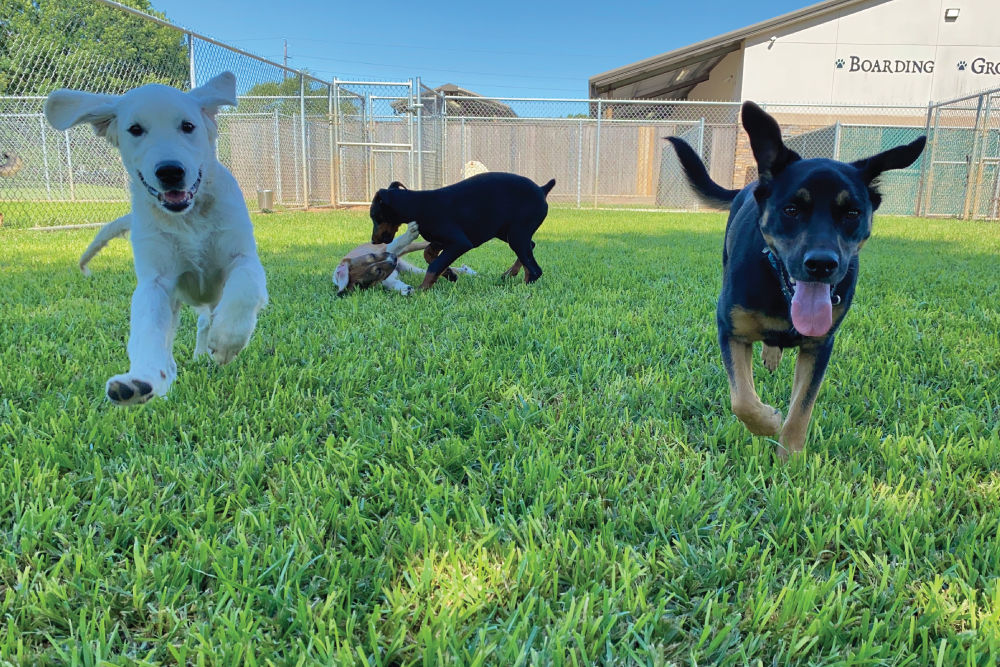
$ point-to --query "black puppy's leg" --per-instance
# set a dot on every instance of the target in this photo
(514, 269)
(759, 418)
(523, 248)
(809, 370)
(444, 260)
(771, 356)
(430, 254)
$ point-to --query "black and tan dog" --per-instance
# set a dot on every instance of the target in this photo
(463, 216)
(790, 264)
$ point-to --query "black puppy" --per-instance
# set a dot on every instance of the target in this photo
(463, 216)
(790, 263)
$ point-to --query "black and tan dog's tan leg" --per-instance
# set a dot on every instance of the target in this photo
(524, 247)
(441, 263)
(809, 370)
(771, 356)
(514, 269)
(760, 419)
(431, 253)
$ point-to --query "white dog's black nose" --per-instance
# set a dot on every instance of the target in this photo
(170, 174)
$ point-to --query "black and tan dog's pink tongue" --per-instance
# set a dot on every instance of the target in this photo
(812, 309)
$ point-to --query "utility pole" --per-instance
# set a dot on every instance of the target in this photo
(285, 73)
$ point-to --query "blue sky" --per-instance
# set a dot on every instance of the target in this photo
(510, 49)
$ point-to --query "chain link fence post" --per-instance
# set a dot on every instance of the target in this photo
(332, 145)
(597, 152)
(922, 185)
(419, 147)
(303, 130)
(192, 77)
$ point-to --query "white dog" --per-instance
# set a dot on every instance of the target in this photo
(473, 168)
(192, 239)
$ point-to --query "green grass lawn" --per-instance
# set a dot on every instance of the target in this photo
(498, 473)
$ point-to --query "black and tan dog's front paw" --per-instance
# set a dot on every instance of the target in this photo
(512, 271)
(760, 419)
(128, 390)
(771, 356)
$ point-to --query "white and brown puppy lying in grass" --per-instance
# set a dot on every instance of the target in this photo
(372, 263)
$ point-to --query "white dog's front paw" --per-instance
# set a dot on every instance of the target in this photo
(398, 244)
(466, 270)
(225, 340)
(406, 291)
(128, 389)
(412, 232)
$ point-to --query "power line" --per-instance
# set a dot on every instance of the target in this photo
(412, 67)
(380, 45)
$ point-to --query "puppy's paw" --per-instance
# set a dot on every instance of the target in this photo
(771, 356)
(225, 339)
(466, 270)
(766, 422)
(397, 245)
(128, 390)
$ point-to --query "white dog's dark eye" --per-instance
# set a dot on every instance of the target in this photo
(136, 130)
(187, 127)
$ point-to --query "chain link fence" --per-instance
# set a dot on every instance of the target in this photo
(613, 153)
(295, 141)
(278, 141)
(961, 168)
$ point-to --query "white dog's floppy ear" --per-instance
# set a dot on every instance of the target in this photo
(218, 91)
(341, 276)
(65, 108)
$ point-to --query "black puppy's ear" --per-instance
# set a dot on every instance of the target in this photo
(769, 150)
(899, 157)
(396, 185)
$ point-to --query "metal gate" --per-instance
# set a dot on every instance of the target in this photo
(374, 127)
(961, 165)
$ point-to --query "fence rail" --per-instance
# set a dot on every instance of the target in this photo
(314, 143)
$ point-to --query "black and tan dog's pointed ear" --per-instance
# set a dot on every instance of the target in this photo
(899, 157)
(769, 150)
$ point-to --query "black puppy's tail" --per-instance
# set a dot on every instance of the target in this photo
(548, 187)
(698, 176)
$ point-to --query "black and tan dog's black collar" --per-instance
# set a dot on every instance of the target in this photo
(784, 280)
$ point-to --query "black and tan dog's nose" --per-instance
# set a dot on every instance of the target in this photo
(170, 174)
(821, 263)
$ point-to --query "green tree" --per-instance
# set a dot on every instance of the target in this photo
(48, 44)
(317, 101)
